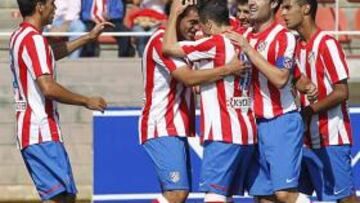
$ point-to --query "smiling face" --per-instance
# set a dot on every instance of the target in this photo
(243, 14)
(292, 13)
(262, 10)
(189, 25)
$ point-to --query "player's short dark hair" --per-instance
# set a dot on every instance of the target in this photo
(278, 5)
(187, 11)
(313, 6)
(27, 7)
(215, 10)
(242, 2)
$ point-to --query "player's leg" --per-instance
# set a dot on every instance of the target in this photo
(171, 161)
(219, 167)
(331, 173)
(240, 180)
(50, 170)
(283, 153)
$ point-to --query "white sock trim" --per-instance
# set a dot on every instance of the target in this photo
(302, 198)
(162, 199)
(212, 197)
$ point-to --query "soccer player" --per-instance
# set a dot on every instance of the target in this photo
(243, 13)
(227, 120)
(280, 128)
(328, 138)
(36, 93)
(167, 118)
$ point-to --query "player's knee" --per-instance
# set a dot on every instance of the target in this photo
(176, 196)
(350, 199)
(285, 196)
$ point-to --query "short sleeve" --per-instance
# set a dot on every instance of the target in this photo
(170, 63)
(37, 56)
(333, 55)
(285, 51)
(200, 49)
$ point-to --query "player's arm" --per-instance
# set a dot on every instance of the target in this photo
(55, 91)
(304, 85)
(63, 49)
(339, 95)
(278, 76)
(171, 47)
(196, 77)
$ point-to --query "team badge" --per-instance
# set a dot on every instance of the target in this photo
(311, 57)
(288, 63)
(175, 176)
(262, 46)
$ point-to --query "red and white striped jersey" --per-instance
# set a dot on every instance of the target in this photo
(169, 108)
(98, 9)
(31, 57)
(323, 61)
(277, 45)
(222, 118)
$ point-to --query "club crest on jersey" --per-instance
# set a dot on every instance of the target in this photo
(175, 176)
(262, 46)
(288, 63)
(311, 57)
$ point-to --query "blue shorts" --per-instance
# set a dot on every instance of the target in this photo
(171, 158)
(278, 156)
(327, 171)
(50, 169)
(225, 168)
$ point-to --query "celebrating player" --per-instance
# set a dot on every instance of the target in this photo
(271, 49)
(36, 93)
(168, 115)
(228, 123)
(328, 139)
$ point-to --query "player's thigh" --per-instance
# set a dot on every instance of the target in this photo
(170, 156)
(219, 166)
(50, 169)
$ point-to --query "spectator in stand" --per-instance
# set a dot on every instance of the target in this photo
(147, 19)
(96, 11)
(67, 19)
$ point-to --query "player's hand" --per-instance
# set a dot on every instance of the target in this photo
(311, 92)
(96, 103)
(238, 40)
(98, 29)
(237, 67)
(179, 6)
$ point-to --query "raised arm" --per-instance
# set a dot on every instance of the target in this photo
(63, 49)
(171, 47)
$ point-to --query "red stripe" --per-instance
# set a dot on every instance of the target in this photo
(253, 125)
(25, 133)
(323, 117)
(32, 51)
(169, 115)
(329, 63)
(225, 117)
(255, 83)
(274, 93)
(149, 87)
(97, 18)
(202, 47)
(244, 130)
(346, 120)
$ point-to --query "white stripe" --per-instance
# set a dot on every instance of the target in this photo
(41, 53)
(195, 144)
(335, 56)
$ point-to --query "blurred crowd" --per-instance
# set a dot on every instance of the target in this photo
(126, 15)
